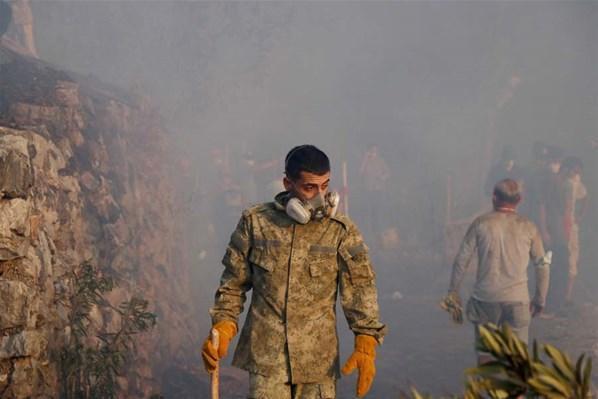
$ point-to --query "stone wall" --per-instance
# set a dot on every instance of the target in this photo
(85, 174)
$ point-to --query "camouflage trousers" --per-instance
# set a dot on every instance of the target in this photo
(262, 387)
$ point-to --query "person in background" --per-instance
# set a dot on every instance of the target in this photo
(575, 191)
(375, 174)
(548, 197)
(551, 211)
(504, 242)
(532, 181)
(506, 168)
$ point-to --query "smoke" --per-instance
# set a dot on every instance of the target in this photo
(5, 17)
(441, 87)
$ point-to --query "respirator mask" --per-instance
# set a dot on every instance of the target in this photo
(316, 208)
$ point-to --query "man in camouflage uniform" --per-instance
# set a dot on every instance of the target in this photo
(296, 268)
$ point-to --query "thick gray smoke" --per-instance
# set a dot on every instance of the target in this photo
(439, 87)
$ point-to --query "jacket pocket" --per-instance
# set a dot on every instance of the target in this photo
(358, 263)
(322, 261)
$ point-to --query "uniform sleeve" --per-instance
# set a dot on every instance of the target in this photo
(236, 277)
(359, 296)
(463, 258)
(541, 262)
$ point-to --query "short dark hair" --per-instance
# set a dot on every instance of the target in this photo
(507, 191)
(571, 163)
(554, 154)
(306, 158)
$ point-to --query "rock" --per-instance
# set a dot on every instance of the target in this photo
(5, 371)
(46, 158)
(89, 181)
(88, 184)
(14, 217)
(14, 228)
(25, 270)
(34, 225)
(16, 173)
(118, 233)
(12, 248)
(27, 379)
(23, 344)
(67, 93)
(28, 115)
(14, 304)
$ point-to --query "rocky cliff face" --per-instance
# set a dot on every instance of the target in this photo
(85, 175)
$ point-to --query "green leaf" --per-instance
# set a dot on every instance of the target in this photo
(586, 376)
(487, 369)
(560, 361)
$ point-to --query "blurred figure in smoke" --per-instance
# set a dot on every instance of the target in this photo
(256, 173)
(225, 196)
(549, 197)
(562, 188)
(506, 168)
(566, 263)
(532, 181)
(297, 255)
(219, 158)
(375, 175)
(504, 243)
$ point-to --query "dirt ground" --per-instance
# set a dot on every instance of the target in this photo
(424, 348)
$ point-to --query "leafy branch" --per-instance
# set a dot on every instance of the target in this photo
(89, 365)
(516, 373)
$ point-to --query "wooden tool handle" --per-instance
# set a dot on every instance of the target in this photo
(215, 374)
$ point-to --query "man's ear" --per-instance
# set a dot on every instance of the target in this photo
(287, 183)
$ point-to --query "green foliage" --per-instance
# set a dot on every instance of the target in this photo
(517, 373)
(89, 365)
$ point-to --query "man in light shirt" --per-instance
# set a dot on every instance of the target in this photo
(504, 243)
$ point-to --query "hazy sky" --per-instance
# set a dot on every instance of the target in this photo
(422, 79)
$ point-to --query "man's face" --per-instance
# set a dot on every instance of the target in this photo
(308, 185)
(372, 152)
(555, 166)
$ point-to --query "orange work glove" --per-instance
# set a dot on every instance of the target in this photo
(226, 331)
(363, 359)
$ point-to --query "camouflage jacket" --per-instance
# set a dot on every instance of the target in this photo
(295, 273)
